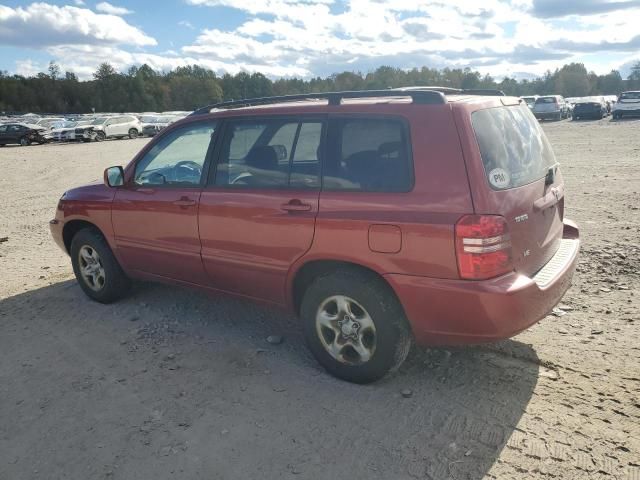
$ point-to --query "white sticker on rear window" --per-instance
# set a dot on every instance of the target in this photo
(499, 178)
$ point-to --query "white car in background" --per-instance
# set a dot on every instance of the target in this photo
(628, 104)
(50, 122)
(118, 126)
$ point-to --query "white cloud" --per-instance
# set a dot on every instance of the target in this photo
(41, 24)
(320, 37)
(78, 3)
(29, 68)
(106, 7)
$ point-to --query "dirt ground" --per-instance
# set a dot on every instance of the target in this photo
(172, 383)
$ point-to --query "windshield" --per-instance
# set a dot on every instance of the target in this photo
(99, 121)
(546, 100)
(66, 124)
(514, 149)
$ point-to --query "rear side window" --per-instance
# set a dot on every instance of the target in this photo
(546, 100)
(270, 154)
(373, 155)
(514, 149)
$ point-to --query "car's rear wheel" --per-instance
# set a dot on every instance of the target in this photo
(355, 326)
(100, 136)
(96, 268)
(133, 133)
(25, 142)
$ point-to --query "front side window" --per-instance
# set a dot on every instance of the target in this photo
(177, 159)
(372, 156)
(270, 154)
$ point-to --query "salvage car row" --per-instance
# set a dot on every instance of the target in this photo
(30, 128)
(556, 107)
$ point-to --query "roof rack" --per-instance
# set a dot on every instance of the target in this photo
(455, 91)
(420, 96)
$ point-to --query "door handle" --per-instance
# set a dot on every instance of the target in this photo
(184, 202)
(295, 205)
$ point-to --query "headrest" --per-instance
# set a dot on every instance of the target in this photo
(265, 158)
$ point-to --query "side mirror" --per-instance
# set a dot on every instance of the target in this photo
(114, 177)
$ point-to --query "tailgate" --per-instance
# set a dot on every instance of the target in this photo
(513, 173)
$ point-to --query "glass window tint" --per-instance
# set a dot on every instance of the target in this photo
(177, 159)
(265, 154)
(514, 149)
(305, 165)
(373, 156)
(3, 128)
(244, 137)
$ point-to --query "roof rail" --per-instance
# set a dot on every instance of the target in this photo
(422, 96)
(455, 91)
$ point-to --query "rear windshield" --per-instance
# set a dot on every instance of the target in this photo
(514, 149)
(630, 96)
(546, 100)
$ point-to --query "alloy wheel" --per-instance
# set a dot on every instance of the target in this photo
(91, 267)
(346, 330)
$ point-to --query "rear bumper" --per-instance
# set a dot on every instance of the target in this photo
(547, 115)
(629, 111)
(450, 312)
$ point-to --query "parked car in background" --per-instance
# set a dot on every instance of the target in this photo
(427, 225)
(119, 126)
(628, 104)
(21, 134)
(590, 107)
(530, 100)
(551, 107)
(153, 124)
(63, 132)
(50, 122)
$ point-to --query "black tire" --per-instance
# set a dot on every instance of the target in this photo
(392, 334)
(25, 142)
(133, 133)
(115, 283)
(100, 136)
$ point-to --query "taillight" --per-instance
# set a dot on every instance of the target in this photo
(483, 247)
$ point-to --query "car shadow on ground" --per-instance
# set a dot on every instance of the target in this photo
(175, 382)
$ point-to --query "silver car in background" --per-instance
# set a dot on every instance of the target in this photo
(551, 107)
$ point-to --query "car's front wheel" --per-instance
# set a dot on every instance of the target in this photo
(133, 133)
(100, 136)
(355, 326)
(96, 268)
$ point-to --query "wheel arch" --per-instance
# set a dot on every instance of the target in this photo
(72, 227)
(302, 278)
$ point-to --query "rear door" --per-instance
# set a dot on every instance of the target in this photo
(513, 172)
(258, 212)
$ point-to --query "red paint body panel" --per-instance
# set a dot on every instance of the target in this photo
(154, 235)
(241, 241)
(450, 312)
(249, 242)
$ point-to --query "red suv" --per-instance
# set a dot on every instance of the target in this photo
(378, 217)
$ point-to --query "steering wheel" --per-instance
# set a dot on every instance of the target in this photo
(241, 177)
(190, 165)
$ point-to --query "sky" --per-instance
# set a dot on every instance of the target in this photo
(307, 38)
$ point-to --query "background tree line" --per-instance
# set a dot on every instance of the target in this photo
(142, 89)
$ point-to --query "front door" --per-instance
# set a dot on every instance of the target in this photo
(155, 216)
(257, 214)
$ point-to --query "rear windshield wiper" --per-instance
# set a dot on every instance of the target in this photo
(550, 177)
